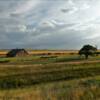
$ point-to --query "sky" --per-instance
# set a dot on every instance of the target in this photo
(49, 24)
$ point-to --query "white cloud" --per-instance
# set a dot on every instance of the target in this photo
(94, 36)
(26, 6)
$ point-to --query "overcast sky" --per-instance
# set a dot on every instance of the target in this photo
(49, 24)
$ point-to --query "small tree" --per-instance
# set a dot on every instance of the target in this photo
(87, 50)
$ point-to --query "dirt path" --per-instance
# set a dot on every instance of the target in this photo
(80, 62)
(56, 63)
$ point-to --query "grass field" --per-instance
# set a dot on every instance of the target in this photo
(81, 89)
(50, 77)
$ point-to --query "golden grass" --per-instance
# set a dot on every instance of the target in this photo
(46, 51)
(53, 52)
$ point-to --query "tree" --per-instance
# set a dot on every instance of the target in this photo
(87, 50)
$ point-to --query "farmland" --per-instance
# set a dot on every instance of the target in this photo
(55, 75)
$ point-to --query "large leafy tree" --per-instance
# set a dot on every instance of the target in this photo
(87, 50)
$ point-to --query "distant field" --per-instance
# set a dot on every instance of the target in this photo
(53, 52)
(43, 52)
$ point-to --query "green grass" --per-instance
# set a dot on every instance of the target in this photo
(44, 59)
(48, 58)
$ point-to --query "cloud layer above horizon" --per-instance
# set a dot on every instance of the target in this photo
(45, 24)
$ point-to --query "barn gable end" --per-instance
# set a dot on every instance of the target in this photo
(17, 53)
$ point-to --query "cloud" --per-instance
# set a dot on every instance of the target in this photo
(47, 24)
(55, 24)
(27, 5)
